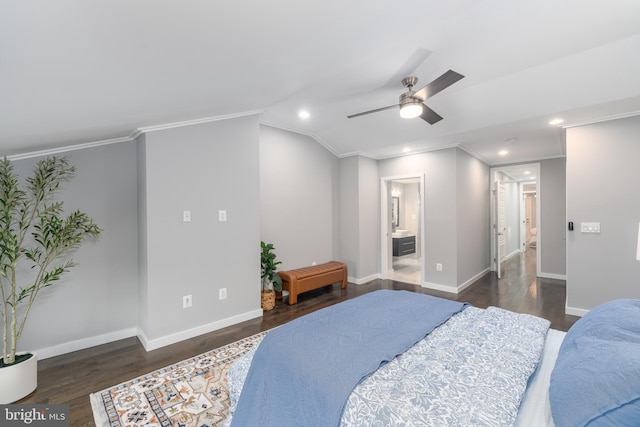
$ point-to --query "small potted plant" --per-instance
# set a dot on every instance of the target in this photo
(35, 236)
(271, 282)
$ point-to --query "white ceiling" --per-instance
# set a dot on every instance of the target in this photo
(80, 71)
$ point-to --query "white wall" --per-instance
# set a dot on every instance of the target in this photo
(602, 172)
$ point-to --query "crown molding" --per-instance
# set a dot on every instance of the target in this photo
(602, 119)
(132, 136)
(147, 129)
(65, 149)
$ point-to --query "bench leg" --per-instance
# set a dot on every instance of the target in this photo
(293, 298)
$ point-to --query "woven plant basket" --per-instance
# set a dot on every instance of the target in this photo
(268, 300)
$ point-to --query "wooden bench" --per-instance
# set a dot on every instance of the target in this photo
(309, 278)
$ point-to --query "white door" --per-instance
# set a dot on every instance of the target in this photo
(499, 226)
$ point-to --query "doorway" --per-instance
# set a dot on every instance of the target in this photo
(515, 213)
(402, 239)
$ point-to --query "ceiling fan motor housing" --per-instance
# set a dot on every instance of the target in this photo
(407, 98)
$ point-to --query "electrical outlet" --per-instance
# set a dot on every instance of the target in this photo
(187, 301)
(438, 267)
(222, 216)
(222, 293)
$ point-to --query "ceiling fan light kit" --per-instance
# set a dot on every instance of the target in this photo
(410, 110)
(411, 102)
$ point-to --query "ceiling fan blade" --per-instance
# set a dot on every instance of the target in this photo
(442, 82)
(430, 116)
(373, 111)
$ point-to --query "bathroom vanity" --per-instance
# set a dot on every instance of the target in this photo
(403, 245)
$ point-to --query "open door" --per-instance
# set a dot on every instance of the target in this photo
(499, 226)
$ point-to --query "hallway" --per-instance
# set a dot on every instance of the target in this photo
(521, 291)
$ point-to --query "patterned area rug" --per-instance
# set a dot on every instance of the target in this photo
(189, 393)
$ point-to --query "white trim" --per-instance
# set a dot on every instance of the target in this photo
(146, 129)
(364, 280)
(575, 311)
(385, 234)
(439, 287)
(84, 343)
(132, 136)
(157, 343)
(473, 279)
(52, 151)
(456, 289)
(602, 119)
(553, 276)
(537, 169)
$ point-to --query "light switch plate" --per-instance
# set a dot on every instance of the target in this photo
(590, 227)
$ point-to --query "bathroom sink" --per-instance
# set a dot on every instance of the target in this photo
(400, 233)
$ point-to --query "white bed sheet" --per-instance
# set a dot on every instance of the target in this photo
(534, 409)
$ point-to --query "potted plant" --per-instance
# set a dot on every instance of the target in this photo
(271, 282)
(35, 237)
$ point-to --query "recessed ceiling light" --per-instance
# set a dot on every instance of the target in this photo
(556, 122)
(304, 114)
(527, 172)
(406, 149)
(503, 152)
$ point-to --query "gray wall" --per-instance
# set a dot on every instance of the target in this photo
(97, 300)
(602, 170)
(456, 213)
(368, 218)
(203, 168)
(553, 199)
(349, 201)
(473, 219)
(276, 186)
(299, 193)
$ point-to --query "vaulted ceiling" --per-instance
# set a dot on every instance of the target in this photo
(74, 72)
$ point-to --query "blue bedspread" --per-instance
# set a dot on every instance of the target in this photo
(303, 372)
(596, 379)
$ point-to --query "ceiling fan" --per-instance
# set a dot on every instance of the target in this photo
(412, 102)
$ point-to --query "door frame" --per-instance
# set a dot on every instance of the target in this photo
(385, 224)
(535, 168)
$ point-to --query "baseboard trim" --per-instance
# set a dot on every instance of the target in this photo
(156, 343)
(470, 281)
(439, 287)
(81, 344)
(455, 289)
(553, 276)
(364, 280)
(575, 311)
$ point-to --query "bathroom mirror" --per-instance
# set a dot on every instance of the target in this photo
(395, 211)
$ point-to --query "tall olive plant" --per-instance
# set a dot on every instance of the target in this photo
(35, 239)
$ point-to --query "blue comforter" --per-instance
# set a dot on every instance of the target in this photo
(303, 372)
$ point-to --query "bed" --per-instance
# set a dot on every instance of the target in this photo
(464, 366)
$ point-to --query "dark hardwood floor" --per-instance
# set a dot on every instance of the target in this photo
(70, 378)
